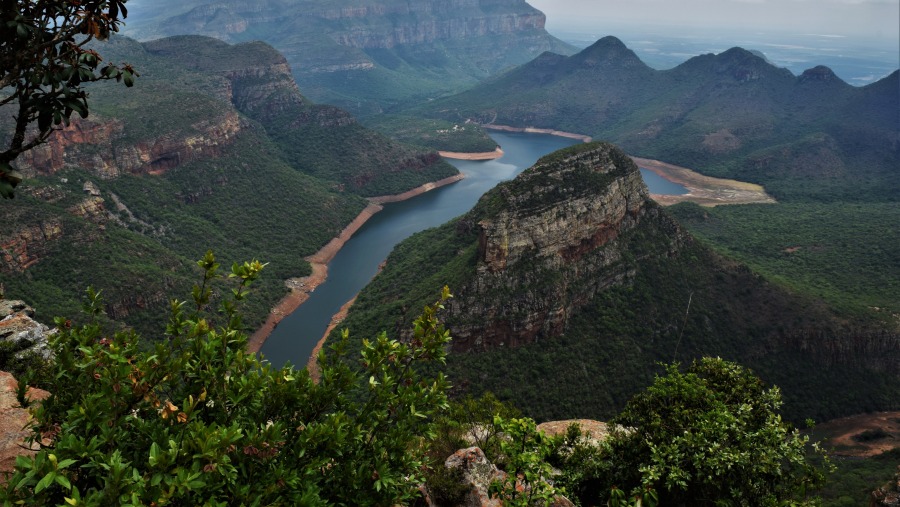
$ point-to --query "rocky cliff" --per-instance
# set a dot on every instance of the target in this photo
(103, 147)
(359, 24)
(366, 54)
(548, 242)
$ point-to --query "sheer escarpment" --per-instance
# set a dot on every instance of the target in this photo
(548, 242)
(369, 55)
(103, 147)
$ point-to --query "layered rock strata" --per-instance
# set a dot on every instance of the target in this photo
(548, 241)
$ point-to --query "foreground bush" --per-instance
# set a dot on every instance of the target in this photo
(193, 419)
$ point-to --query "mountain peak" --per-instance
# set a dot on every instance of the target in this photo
(737, 63)
(609, 52)
(567, 182)
(609, 41)
(819, 73)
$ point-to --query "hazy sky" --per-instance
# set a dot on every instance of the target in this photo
(876, 18)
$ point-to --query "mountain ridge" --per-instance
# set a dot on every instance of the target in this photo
(364, 55)
(728, 115)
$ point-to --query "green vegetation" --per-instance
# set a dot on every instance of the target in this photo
(853, 480)
(267, 187)
(44, 66)
(193, 419)
(711, 433)
(842, 253)
(245, 201)
(362, 161)
(708, 434)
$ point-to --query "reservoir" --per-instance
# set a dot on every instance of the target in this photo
(659, 185)
(357, 262)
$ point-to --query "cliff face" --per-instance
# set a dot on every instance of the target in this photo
(364, 55)
(426, 22)
(548, 242)
(104, 148)
(359, 24)
(28, 245)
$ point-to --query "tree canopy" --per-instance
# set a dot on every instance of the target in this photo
(45, 62)
(711, 435)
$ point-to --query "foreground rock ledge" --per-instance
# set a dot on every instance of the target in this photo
(14, 423)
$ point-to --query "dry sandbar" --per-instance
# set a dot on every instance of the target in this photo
(485, 155)
(704, 190)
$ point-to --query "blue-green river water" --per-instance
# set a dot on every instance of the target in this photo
(357, 262)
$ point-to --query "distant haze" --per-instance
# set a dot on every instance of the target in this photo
(868, 19)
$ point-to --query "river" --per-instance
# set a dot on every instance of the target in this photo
(357, 262)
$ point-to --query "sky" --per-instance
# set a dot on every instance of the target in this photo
(870, 19)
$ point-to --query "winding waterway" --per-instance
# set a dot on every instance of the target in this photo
(357, 262)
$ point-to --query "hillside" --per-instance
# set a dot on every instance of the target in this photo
(213, 148)
(570, 283)
(827, 151)
(363, 55)
(811, 137)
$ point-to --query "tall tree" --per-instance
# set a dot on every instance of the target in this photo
(44, 64)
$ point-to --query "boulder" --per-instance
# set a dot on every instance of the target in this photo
(478, 473)
(889, 494)
(11, 306)
(31, 335)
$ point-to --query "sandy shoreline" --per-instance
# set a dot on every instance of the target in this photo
(704, 190)
(532, 130)
(486, 155)
(312, 363)
(384, 199)
(300, 288)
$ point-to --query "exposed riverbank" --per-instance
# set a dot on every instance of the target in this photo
(312, 365)
(704, 190)
(486, 155)
(532, 130)
(301, 287)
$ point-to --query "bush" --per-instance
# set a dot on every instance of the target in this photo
(194, 419)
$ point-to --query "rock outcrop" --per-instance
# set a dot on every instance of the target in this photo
(14, 422)
(364, 54)
(887, 495)
(18, 326)
(361, 24)
(104, 148)
(477, 474)
(28, 244)
(548, 242)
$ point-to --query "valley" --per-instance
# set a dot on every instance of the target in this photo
(594, 214)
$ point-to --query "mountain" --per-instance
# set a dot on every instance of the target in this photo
(807, 137)
(366, 55)
(570, 283)
(213, 148)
